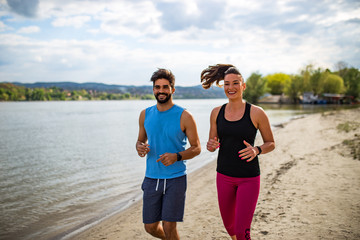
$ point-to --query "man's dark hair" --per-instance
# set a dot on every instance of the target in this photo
(163, 73)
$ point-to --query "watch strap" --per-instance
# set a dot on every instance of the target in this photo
(259, 149)
(179, 157)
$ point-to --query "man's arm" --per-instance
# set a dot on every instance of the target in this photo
(188, 125)
(188, 122)
(141, 146)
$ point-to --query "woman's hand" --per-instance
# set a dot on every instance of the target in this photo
(212, 144)
(248, 153)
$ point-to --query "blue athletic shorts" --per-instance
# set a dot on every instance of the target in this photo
(164, 199)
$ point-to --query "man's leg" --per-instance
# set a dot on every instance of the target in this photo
(173, 206)
(170, 230)
(155, 229)
(152, 204)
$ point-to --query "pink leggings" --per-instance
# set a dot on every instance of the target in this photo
(237, 202)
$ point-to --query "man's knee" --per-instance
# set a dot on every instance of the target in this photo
(151, 228)
(169, 228)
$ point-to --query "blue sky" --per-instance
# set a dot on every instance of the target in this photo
(125, 41)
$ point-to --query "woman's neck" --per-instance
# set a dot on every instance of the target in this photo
(236, 104)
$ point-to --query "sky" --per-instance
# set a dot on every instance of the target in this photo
(125, 41)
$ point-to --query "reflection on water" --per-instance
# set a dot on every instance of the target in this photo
(63, 164)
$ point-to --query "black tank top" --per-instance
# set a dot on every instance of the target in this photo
(231, 135)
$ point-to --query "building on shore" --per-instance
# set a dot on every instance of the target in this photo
(308, 98)
(326, 98)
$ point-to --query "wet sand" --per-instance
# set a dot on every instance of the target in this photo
(310, 188)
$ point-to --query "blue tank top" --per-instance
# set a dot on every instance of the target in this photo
(164, 135)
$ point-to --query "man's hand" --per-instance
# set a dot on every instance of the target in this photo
(142, 148)
(167, 158)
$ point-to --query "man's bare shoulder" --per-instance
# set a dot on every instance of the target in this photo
(186, 115)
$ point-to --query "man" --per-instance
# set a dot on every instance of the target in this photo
(163, 130)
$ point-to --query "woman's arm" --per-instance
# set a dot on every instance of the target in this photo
(261, 121)
(213, 142)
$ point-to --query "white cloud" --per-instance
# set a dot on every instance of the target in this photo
(76, 22)
(112, 40)
(30, 29)
(2, 26)
(136, 19)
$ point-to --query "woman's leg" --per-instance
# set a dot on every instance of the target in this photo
(226, 190)
(246, 200)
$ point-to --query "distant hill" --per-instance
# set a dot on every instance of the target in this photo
(194, 92)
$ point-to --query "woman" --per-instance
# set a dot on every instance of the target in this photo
(233, 128)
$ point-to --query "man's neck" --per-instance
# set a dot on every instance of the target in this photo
(162, 107)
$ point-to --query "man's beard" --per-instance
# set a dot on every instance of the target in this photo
(168, 96)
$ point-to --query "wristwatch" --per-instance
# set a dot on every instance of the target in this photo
(179, 157)
(259, 148)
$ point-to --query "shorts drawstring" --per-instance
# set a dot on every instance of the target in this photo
(164, 186)
(157, 185)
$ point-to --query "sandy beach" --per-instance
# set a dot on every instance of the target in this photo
(310, 188)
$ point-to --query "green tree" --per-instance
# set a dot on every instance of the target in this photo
(75, 95)
(127, 95)
(351, 78)
(11, 92)
(148, 97)
(333, 83)
(295, 88)
(3, 95)
(28, 94)
(38, 94)
(277, 82)
(103, 96)
(255, 88)
(62, 96)
(57, 94)
(306, 73)
(112, 96)
(316, 81)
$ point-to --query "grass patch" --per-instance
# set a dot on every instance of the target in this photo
(354, 145)
(347, 126)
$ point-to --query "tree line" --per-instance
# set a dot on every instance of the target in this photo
(11, 92)
(318, 81)
(345, 80)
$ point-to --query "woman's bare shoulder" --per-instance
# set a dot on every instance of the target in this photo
(257, 109)
(216, 110)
